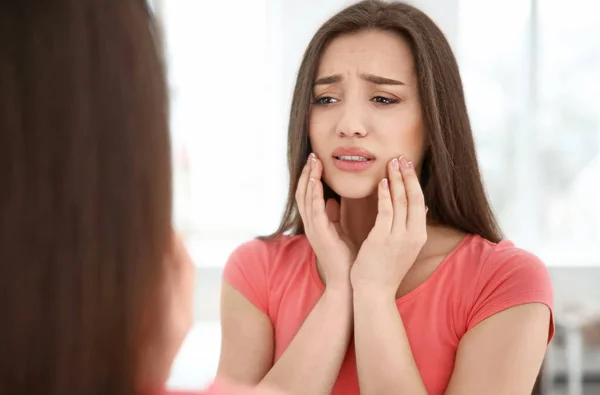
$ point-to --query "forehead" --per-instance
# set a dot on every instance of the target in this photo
(376, 52)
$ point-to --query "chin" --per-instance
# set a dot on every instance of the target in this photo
(352, 186)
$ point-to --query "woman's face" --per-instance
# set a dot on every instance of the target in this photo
(366, 110)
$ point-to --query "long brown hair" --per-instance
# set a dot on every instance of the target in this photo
(85, 193)
(450, 174)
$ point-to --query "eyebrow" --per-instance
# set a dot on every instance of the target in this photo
(375, 79)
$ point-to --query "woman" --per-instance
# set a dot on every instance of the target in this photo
(95, 291)
(388, 273)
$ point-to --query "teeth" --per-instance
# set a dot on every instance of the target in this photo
(353, 158)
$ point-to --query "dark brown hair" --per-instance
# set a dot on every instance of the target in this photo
(85, 194)
(450, 174)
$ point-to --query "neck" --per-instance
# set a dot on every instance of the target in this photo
(358, 217)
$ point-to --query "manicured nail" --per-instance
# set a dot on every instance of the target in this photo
(405, 163)
(311, 160)
(312, 181)
(395, 163)
(384, 183)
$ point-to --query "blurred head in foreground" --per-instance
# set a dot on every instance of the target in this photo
(95, 291)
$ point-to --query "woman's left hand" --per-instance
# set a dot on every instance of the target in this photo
(399, 232)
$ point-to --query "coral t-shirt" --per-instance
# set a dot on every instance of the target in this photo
(476, 280)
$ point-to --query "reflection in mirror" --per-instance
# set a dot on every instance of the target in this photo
(537, 143)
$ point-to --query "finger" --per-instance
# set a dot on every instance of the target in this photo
(318, 206)
(314, 175)
(416, 202)
(301, 189)
(385, 210)
(399, 199)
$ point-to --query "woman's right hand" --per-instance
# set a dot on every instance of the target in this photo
(335, 253)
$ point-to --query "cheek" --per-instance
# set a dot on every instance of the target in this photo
(317, 134)
(411, 140)
(318, 145)
(408, 136)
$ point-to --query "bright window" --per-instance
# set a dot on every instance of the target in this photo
(532, 75)
(228, 181)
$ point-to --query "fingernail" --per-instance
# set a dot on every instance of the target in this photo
(405, 163)
(312, 181)
(426, 209)
(384, 183)
(395, 163)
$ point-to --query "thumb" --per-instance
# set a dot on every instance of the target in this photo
(332, 209)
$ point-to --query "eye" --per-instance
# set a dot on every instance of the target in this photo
(325, 100)
(384, 100)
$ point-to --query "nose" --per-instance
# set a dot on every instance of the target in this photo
(352, 122)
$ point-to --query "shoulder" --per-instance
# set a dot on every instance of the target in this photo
(282, 244)
(255, 267)
(484, 261)
(504, 264)
(269, 253)
(505, 276)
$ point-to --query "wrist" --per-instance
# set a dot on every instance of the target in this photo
(339, 283)
(373, 292)
(339, 295)
(366, 284)
(338, 289)
(339, 299)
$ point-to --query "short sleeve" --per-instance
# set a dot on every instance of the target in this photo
(246, 270)
(510, 277)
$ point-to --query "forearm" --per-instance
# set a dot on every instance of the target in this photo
(383, 355)
(311, 363)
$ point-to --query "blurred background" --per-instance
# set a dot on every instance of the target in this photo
(531, 70)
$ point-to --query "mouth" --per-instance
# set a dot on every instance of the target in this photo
(352, 154)
(353, 158)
